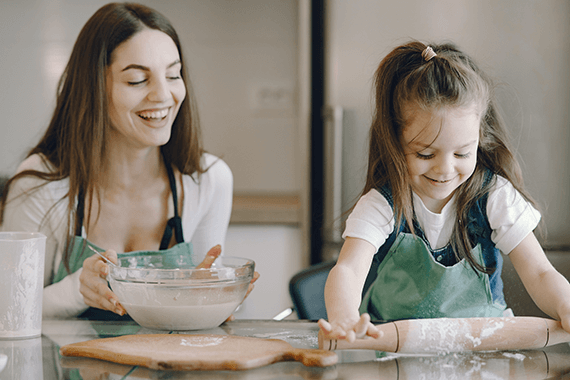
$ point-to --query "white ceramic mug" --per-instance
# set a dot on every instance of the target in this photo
(22, 258)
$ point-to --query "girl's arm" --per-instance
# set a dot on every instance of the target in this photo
(343, 292)
(547, 287)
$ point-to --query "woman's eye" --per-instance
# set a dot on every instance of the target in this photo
(134, 83)
(424, 156)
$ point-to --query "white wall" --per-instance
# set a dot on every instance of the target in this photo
(524, 44)
(276, 252)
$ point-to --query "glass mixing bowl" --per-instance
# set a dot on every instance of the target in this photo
(174, 295)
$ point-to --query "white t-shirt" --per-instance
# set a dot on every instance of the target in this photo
(511, 218)
(205, 216)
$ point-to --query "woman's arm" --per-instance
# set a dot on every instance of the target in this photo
(343, 292)
(547, 287)
(208, 207)
(36, 206)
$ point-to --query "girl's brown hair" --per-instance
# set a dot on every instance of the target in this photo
(74, 142)
(449, 79)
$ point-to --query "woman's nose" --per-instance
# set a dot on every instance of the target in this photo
(159, 91)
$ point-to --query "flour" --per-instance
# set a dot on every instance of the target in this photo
(438, 335)
(446, 335)
(171, 305)
(180, 318)
(202, 341)
(488, 331)
(514, 356)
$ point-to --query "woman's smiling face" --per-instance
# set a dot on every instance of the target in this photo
(441, 151)
(145, 89)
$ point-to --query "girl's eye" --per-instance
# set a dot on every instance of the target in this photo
(175, 77)
(466, 155)
(424, 156)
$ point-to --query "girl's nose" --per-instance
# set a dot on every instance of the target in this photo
(443, 165)
(159, 91)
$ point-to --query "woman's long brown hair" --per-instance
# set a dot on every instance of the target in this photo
(74, 142)
(450, 79)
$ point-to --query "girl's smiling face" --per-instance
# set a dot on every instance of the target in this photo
(145, 89)
(441, 151)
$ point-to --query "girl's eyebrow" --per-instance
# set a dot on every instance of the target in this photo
(425, 146)
(144, 68)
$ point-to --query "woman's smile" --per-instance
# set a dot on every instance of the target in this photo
(153, 115)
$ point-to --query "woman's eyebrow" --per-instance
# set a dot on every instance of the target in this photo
(144, 68)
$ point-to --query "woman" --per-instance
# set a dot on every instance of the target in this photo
(121, 165)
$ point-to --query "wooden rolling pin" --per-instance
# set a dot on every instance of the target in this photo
(445, 335)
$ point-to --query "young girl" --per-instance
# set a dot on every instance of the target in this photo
(443, 198)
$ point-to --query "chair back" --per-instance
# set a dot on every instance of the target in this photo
(307, 290)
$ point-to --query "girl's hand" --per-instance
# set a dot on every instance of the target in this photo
(349, 329)
(94, 287)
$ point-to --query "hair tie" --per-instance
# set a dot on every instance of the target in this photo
(428, 53)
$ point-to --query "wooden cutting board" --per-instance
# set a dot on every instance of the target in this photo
(197, 352)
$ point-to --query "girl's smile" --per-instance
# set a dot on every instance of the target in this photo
(441, 151)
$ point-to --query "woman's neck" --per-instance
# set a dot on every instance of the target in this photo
(128, 169)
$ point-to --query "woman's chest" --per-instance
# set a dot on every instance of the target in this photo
(130, 224)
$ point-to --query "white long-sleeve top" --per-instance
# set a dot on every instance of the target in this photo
(205, 216)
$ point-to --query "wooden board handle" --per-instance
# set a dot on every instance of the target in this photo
(444, 335)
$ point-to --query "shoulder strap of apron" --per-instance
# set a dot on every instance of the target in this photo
(174, 223)
(79, 212)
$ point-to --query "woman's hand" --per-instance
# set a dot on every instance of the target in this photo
(211, 256)
(94, 287)
(349, 329)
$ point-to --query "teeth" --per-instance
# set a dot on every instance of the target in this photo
(154, 115)
(438, 181)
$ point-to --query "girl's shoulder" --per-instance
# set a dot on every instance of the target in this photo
(505, 201)
(501, 187)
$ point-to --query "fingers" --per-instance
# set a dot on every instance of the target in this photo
(255, 277)
(249, 289)
(324, 325)
(362, 325)
(93, 284)
(211, 256)
(251, 286)
(349, 329)
(374, 332)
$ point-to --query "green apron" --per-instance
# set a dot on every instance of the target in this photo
(180, 255)
(412, 284)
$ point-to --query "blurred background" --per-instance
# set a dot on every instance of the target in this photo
(284, 89)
